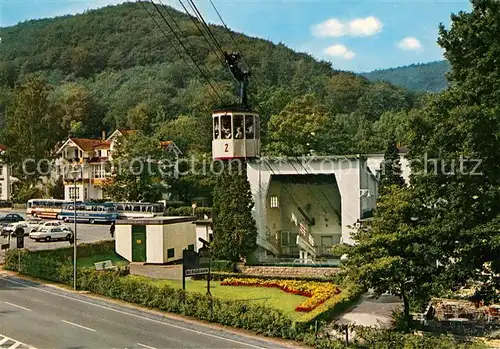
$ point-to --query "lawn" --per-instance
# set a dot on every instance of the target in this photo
(271, 297)
(88, 262)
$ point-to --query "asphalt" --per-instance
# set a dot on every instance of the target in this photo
(86, 233)
(39, 316)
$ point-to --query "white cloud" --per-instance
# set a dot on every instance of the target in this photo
(331, 27)
(365, 26)
(339, 51)
(410, 43)
(357, 27)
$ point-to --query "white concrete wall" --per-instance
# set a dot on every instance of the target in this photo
(202, 231)
(154, 245)
(178, 236)
(347, 175)
(123, 241)
(93, 191)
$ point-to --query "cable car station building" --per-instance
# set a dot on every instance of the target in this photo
(302, 206)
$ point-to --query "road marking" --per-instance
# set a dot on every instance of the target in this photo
(17, 306)
(134, 315)
(145, 346)
(5, 339)
(72, 323)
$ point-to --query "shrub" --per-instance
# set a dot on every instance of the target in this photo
(220, 276)
(223, 266)
(188, 211)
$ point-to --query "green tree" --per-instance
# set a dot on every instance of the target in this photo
(459, 130)
(391, 168)
(140, 169)
(139, 118)
(235, 232)
(298, 129)
(31, 128)
(394, 254)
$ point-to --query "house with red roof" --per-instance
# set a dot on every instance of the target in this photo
(92, 155)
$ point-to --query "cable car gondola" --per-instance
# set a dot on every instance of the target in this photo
(236, 129)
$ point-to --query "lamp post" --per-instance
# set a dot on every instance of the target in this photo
(75, 174)
(193, 206)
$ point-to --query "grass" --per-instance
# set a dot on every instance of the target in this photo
(271, 297)
(88, 262)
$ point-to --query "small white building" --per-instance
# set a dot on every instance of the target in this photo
(158, 240)
(5, 178)
(204, 231)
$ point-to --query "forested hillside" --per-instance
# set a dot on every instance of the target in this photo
(429, 77)
(114, 68)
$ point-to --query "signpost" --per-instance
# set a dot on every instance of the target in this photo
(19, 233)
(193, 264)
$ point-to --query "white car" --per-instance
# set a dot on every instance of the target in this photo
(27, 226)
(51, 224)
(51, 233)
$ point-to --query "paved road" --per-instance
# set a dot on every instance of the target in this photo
(85, 232)
(48, 317)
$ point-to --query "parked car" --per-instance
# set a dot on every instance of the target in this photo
(5, 204)
(27, 226)
(10, 218)
(51, 233)
(50, 224)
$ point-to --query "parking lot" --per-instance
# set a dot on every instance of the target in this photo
(85, 233)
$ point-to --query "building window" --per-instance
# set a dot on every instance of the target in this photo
(72, 193)
(170, 253)
(86, 193)
(274, 202)
(1, 170)
(190, 247)
(1, 190)
(98, 171)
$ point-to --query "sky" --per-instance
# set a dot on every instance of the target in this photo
(359, 36)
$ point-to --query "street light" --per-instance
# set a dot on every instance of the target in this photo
(193, 206)
(75, 174)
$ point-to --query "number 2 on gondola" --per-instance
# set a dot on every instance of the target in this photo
(226, 145)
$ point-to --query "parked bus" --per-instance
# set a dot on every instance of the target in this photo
(139, 209)
(44, 208)
(90, 212)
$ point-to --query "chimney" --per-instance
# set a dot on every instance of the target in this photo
(103, 135)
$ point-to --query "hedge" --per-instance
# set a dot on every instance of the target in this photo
(55, 266)
(223, 266)
(188, 211)
(219, 276)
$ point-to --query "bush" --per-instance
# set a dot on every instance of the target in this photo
(220, 276)
(56, 266)
(223, 266)
(188, 211)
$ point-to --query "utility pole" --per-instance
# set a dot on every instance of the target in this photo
(75, 267)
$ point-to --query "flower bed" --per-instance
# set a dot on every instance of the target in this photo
(318, 292)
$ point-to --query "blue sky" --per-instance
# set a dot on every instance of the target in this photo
(353, 35)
